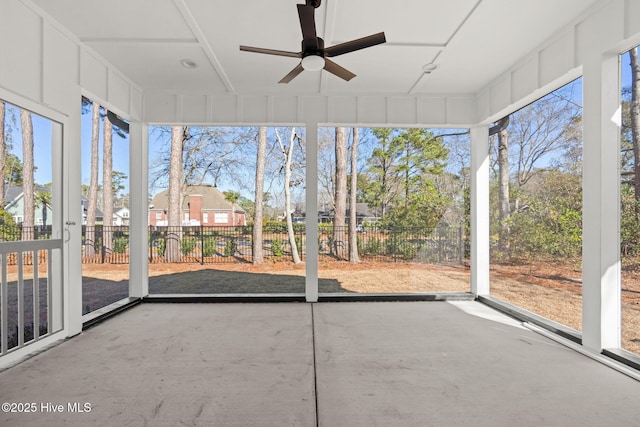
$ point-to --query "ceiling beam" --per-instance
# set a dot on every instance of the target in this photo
(206, 47)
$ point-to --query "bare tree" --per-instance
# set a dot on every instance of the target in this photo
(28, 186)
(3, 155)
(174, 220)
(258, 254)
(339, 215)
(288, 158)
(107, 182)
(353, 217)
(503, 177)
(89, 246)
(635, 120)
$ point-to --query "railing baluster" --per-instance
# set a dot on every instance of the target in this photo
(20, 299)
(36, 297)
(49, 292)
(4, 305)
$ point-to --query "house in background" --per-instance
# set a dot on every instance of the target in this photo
(201, 205)
(364, 214)
(121, 216)
(14, 205)
(84, 202)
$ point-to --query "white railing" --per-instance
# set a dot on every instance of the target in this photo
(14, 289)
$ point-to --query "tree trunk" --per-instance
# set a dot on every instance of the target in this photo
(288, 157)
(635, 125)
(28, 186)
(503, 184)
(339, 217)
(3, 155)
(107, 184)
(353, 218)
(174, 221)
(258, 253)
(89, 245)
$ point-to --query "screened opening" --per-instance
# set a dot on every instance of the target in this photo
(105, 207)
(226, 210)
(536, 207)
(409, 231)
(30, 234)
(630, 196)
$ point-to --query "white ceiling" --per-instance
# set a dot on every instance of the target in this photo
(471, 41)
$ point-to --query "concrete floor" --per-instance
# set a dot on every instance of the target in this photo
(327, 364)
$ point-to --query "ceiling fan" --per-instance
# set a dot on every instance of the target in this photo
(314, 56)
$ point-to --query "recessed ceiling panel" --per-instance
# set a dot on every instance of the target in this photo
(159, 67)
(119, 19)
(405, 22)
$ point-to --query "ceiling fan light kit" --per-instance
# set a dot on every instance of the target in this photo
(314, 56)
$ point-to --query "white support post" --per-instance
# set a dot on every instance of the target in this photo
(480, 210)
(139, 218)
(311, 220)
(56, 277)
(72, 222)
(601, 205)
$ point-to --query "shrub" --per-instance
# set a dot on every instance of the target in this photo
(373, 247)
(230, 247)
(120, 245)
(187, 245)
(209, 247)
(277, 247)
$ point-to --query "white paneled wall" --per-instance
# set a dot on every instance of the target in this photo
(44, 63)
(610, 27)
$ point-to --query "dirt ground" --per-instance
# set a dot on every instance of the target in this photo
(552, 291)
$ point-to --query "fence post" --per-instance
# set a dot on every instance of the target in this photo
(102, 246)
(201, 244)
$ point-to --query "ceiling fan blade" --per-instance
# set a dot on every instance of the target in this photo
(271, 51)
(339, 71)
(292, 74)
(306, 13)
(357, 44)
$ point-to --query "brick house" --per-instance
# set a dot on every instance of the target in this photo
(201, 205)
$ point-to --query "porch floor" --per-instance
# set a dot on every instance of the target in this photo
(327, 364)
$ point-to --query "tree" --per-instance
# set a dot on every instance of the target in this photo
(382, 187)
(287, 153)
(414, 158)
(28, 186)
(634, 110)
(503, 181)
(92, 199)
(43, 199)
(339, 214)
(172, 248)
(107, 181)
(3, 154)
(258, 254)
(353, 218)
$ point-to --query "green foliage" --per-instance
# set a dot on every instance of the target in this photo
(549, 222)
(298, 240)
(209, 246)
(277, 247)
(9, 231)
(373, 247)
(230, 247)
(187, 245)
(120, 245)
(401, 177)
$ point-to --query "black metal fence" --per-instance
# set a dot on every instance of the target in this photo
(205, 245)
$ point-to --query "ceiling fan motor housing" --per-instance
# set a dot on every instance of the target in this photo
(314, 3)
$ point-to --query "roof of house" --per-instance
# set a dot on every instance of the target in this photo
(212, 199)
(12, 193)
